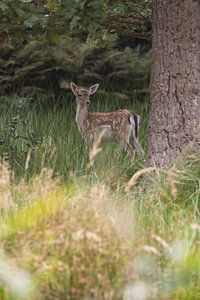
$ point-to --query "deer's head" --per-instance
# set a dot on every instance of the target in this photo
(83, 94)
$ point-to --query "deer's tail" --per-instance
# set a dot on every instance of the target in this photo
(134, 121)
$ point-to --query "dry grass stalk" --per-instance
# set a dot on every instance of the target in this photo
(137, 175)
(162, 242)
(28, 158)
(95, 149)
(151, 249)
(172, 185)
(5, 174)
(6, 200)
(195, 227)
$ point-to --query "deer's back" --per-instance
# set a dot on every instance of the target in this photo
(112, 119)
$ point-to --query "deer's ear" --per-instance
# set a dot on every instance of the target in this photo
(74, 88)
(94, 88)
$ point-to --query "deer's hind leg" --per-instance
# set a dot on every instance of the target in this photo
(134, 142)
(123, 136)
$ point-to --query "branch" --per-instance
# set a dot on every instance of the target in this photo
(131, 34)
(139, 9)
(132, 21)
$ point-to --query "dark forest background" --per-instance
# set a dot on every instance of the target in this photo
(43, 47)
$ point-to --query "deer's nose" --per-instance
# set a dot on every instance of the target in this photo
(88, 101)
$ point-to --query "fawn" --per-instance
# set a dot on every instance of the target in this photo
(121, 125)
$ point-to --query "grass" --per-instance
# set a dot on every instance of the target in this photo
(67, 234)
(54, 141)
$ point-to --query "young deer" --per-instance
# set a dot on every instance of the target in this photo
(121, 125)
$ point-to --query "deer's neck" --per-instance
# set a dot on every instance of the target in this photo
(81, 117)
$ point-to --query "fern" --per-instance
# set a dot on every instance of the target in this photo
(38, 65)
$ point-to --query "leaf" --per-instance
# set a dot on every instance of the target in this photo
(75, 22)
(3, 7)
(30, 22)
(26, 69)
(20, 12)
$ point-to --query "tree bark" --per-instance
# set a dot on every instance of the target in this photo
(175, 79)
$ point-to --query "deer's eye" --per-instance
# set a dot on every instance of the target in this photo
(79, 94)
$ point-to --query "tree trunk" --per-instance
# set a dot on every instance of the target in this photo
(175, 79)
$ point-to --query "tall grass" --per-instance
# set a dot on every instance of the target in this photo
(54, 139)
(70, 234)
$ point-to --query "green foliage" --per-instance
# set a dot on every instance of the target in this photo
(123, 17)
(16, 136)
(36, 51)
(83, 16)
(23, 14)
(40, 65)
